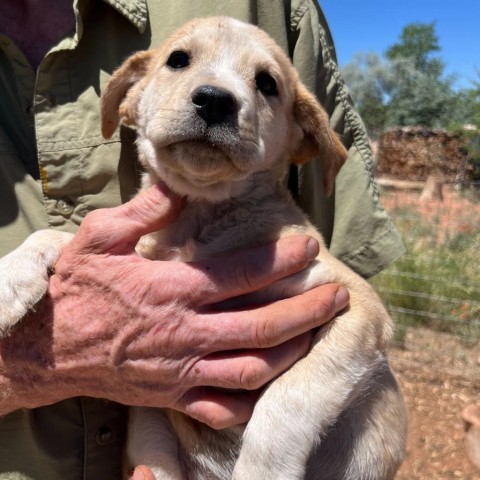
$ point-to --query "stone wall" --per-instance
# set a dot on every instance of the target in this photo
(414, 153)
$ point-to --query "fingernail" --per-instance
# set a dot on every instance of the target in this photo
(312, 249)
(342, 297)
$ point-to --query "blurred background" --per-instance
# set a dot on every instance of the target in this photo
(413, 69)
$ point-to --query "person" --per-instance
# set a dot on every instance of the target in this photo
(115, 329)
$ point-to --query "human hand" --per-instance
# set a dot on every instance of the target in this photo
(147, 333)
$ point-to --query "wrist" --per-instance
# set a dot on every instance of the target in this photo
(28, 374)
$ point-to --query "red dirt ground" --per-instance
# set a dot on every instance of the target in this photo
(456, 213)
(435, 401)
(435, 393)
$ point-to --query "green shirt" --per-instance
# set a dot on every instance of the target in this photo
(55, 167)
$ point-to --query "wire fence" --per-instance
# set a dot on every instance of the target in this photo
(433, 291)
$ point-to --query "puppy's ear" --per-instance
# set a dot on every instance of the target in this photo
(119, 98)
(319, 140)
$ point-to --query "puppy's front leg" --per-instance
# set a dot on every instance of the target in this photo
(296, 412)
(152, 442)
(24, 274)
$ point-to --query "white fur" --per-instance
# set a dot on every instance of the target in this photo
(24, 274)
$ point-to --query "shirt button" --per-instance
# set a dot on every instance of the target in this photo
(104, 436)
(64, 207)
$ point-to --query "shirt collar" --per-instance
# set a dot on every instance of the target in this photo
(133, 10)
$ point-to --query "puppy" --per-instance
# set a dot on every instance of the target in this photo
(220, 113)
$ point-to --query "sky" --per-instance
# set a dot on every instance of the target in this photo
(374, 25)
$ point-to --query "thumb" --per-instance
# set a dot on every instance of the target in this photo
(149, 211)
(118, 229)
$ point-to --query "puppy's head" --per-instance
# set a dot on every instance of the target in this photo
(216, 103)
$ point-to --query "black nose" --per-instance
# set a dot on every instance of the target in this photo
(213, 104)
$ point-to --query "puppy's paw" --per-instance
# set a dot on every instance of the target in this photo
(19, 293)
(24, 275)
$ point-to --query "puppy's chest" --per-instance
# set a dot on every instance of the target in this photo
(202, 231)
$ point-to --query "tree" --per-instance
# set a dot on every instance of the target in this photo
(417, 43)
(474, 96)
(369, 79)
(466, 122)
(422, 95)
(408, 87)
(418, 98)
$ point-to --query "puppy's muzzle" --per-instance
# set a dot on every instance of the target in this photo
(214, 105)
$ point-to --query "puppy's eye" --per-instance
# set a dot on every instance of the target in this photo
(266, 84)
(178, 59)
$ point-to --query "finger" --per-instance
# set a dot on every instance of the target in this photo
(142, 473)
(250, 369)
(118, 229)
(276, 323)
(242, 271)
(216, 408)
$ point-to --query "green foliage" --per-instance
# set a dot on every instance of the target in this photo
(467, 113)
(369, 79)
(374, 114)
(417, 98)
(417, 43)
(408, 87)
(465, 110)
(473, 161)
(435, 284)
